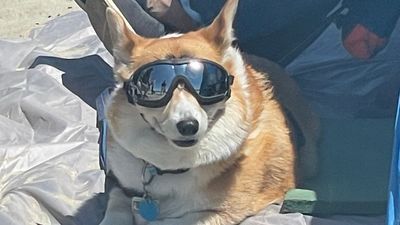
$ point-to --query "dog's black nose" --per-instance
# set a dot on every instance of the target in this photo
(188, 127)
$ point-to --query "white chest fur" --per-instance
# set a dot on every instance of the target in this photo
(177, 194)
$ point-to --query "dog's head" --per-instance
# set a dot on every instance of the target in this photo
(183, 132)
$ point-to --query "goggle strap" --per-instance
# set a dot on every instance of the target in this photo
(128, 90)
(231, 79)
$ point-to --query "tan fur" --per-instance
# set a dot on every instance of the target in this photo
(264, 169)
(260, 170)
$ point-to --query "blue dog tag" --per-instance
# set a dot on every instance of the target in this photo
(148, 209)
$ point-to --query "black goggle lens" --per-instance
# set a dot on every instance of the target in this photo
(154, 81)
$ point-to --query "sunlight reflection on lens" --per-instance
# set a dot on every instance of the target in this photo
(195, 65)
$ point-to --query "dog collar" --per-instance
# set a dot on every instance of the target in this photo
(142, 202)
(150, 171)
(146, 206)
(178, 171)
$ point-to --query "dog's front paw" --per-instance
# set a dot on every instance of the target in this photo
(117, 219)
(170, 222)
(190, 219)
(118, 210)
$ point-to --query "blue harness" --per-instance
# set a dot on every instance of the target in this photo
(101, 101)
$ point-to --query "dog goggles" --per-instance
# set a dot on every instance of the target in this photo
(152, 84)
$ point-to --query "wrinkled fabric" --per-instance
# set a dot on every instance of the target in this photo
(48, 138)
(340, 86)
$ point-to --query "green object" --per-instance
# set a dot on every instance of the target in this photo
(299, 200)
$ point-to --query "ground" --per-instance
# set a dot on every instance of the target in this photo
(18, 17)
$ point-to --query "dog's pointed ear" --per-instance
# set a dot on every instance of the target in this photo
(123, 37)
(220, 31)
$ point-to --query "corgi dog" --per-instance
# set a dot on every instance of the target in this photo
(197, 136)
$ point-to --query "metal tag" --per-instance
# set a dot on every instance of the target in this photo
(146, 207)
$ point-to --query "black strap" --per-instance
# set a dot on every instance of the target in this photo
(179, 171)
(112, 181)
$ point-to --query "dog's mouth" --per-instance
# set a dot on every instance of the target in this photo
(185, 143)
(180, 143)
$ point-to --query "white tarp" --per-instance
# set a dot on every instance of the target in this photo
(48, 138)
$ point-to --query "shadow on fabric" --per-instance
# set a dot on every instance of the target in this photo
(86, 77)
